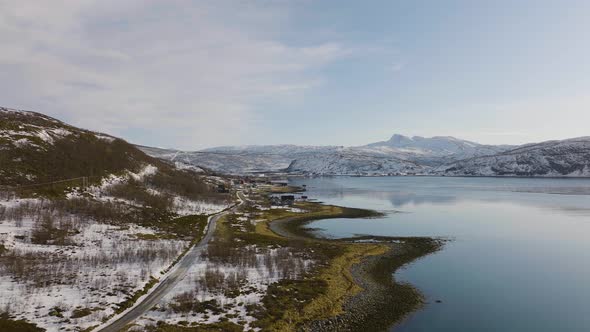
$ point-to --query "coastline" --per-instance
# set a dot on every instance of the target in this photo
(374, 300)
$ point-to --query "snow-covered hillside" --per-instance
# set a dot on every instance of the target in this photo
(400, 154)
(439, 155)
(281, 149)
(569, 157)
(350, 161)
(227, 162)
(87, 220)
(38, 131)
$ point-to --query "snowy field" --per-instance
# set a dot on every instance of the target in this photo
(100, 267)
(76, 279)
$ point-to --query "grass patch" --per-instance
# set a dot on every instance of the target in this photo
(187, 227)
(388, 301)
(7, 324)
(57, 312)
(340, 284)
(185, 303)
(289, 304)
(284, 302)
(191, 226)
(83, 312)
(215, 327)
(286, 189)
(128, 303)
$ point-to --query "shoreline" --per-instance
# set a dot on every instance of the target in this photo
(562, 177)
(379, 302)
(383, 302)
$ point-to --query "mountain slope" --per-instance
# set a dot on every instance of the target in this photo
(400, 154)
(36, 148)
(326, 160)
(230, 162)
(569, 157)
(349, 161)
(103, 239)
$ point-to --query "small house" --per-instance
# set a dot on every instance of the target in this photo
(287, 199)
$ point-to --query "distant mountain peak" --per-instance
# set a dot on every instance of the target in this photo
(436, 142)
(397, 139)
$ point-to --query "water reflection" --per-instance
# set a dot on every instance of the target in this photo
(519, 261)
(408, 193)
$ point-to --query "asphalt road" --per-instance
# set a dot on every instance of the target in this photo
(166, 285)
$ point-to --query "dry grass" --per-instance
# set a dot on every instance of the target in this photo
(339, 286)
(285, 189)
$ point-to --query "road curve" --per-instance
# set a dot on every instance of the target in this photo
(167, 284)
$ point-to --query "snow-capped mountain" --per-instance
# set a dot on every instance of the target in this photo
(433, 151)
(239, 159)
(569, 157)
(400, 154)
(440, 155)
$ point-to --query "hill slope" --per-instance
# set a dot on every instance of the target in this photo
(101, 240)
(569, 158)
(36, 148)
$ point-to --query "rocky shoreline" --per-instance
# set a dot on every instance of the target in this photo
(382, 302)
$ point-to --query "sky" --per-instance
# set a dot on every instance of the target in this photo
(197, 74)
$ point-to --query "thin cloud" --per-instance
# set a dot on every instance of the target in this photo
(178, 72)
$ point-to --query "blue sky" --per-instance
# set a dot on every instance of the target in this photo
(195, 74)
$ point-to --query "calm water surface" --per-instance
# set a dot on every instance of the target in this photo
(520, 255)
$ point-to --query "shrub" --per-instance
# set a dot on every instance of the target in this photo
(78, 313)
(7, 324)
(56, 312)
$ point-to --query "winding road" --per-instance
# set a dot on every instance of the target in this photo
(167, 284)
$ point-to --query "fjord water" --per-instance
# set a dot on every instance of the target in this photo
(519, 259)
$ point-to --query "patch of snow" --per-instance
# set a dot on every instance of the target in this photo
(104, 137)
(184, 207)
(146, 171)
(103, 264)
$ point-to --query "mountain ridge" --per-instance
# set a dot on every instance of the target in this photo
(400, 155)
(36, 147)
(555, 158)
